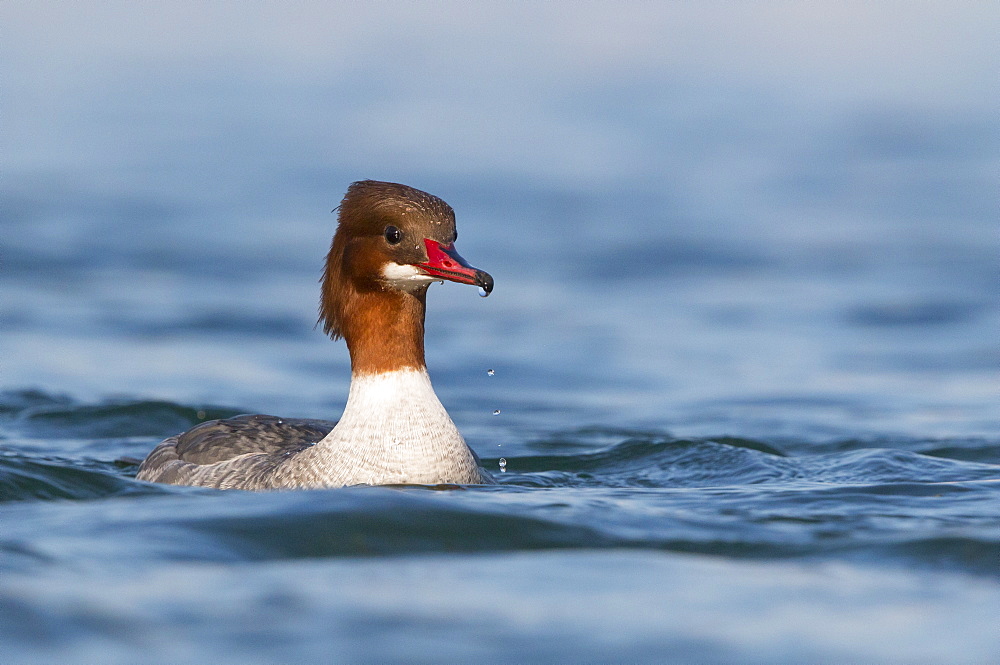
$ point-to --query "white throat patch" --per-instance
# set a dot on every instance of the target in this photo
(406, 277)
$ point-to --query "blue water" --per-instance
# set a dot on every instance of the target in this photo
(743, 338)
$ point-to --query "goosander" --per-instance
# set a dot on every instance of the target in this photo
(391, 243)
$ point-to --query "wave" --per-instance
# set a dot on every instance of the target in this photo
(656, 460)
(867, 524)
(39, 414)
(593, 488)
(27, 478)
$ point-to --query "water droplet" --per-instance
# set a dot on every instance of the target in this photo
(201, 415)
(496, 412)
(483, 292)
(490, 372)
(503, 465)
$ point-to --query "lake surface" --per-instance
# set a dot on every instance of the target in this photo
(742, 360)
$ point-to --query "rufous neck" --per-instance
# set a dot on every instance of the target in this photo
(385, 331)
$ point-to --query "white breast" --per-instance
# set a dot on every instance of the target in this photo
(394, 431)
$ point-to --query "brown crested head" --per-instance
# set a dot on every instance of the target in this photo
(390, 239)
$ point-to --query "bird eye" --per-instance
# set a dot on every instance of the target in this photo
(393, 236)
